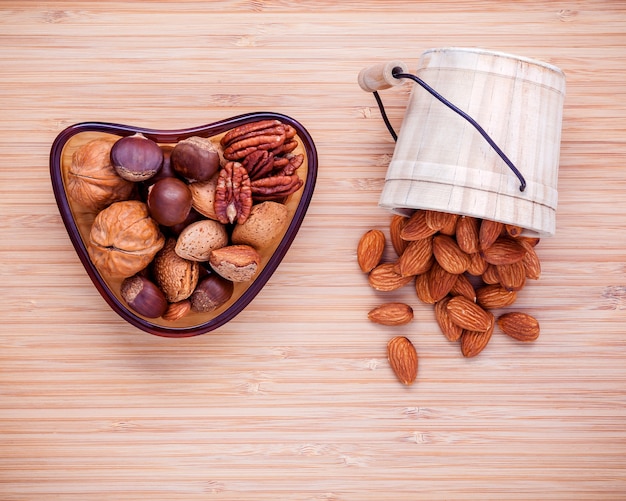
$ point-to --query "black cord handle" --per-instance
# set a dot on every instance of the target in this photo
(397, 73)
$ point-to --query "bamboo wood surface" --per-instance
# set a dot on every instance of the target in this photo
(294, 399)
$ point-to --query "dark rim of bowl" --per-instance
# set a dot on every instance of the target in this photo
(171, 136)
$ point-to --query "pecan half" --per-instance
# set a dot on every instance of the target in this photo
(275, 187)
(259, 163)
(245, 139)
(233, 195)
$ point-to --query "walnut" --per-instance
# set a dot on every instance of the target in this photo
(233, 195)
(124, 239)
(91, 179)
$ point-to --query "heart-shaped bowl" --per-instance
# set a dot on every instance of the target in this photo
(78, 221)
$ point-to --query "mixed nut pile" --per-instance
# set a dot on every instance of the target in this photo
(179, 225)
(464, 266)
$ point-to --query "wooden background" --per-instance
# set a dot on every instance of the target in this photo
(294, 399)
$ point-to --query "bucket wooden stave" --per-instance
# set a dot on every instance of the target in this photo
(441, 162)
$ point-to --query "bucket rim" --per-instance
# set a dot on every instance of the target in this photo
(477, 50)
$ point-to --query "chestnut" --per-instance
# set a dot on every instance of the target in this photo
(143, 296)
(169, 201)
(195, 158)
(136, 158)
(211, 293)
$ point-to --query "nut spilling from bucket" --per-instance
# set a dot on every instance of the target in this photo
(464, 266)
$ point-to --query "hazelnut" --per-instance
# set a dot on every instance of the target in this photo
(124, 239)
(198, 239)
(169, 201)
(238, 263)
(177, 277)
(143, 296)
(212, 292)
(195, 158)
(136, 158)
(91, 179)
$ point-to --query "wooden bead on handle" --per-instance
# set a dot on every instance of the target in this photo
(379, 76)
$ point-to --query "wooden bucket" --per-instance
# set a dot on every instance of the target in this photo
(442, 163)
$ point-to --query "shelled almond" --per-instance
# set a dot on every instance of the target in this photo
(464, 266)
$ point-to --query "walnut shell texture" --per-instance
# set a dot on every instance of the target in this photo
(92, 180)
(124, 239)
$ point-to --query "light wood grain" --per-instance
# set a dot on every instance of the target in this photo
(294, 399)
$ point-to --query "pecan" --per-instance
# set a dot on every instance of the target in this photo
(259, 163)
(290, 166)
(275, 187)
(233, 195)
(244, 129)
(247, 138)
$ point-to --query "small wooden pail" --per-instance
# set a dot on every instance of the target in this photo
(442, 163)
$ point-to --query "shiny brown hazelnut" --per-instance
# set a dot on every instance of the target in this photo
(136, 158)
(169, 201)
(211, 293)
(91, 179)
(195, 158)
(143, 296)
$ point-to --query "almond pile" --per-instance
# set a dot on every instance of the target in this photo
(464, 266)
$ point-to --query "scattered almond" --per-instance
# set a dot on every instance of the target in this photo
(391, 314)
(416, 227)
(468, 315)
(370, 250)
(488, 233)
(397, 223)
(467, 234)
(449, 255)
(385, 278)
(417, 257)
(465, 267)
(495, 296)
(451, 330)
(402, 357)
(473, 342)
(520, 326)
(504, 250)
